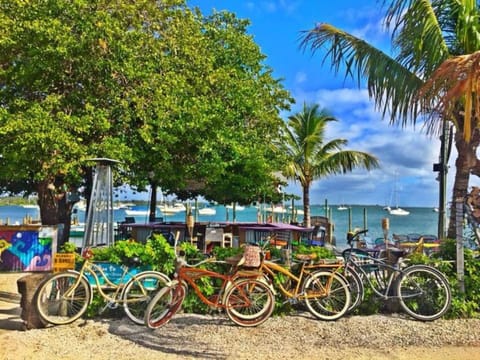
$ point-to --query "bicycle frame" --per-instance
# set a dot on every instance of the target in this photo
(89, 267)
(306, 269)
(394, 271)
(189, 274)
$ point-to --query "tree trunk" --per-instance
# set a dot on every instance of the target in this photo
(47, 203)
(55, 209)
(466, 161)
(306, 205)
(153, 201)
(64, 217)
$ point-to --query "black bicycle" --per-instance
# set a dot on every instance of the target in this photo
(423, 291)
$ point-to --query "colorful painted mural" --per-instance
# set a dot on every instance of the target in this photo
(27, 247)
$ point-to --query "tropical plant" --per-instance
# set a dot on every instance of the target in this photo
(310, 156)
(424, 35)
(184, 101)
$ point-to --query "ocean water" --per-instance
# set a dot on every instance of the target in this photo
(420, 220)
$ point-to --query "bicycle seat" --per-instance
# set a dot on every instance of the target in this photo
(236, 260)
(305, 257)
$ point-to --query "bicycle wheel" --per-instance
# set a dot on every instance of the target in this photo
(63, 298)
(138, 292)
(424, 293)
(249, 302)
(326, 295)
(356, 287)
(164, 305)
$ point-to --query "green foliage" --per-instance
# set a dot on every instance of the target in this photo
(191, 251)
(98, 307)
(463, 304)
(163, 255)
(89, 79)
(418, 258)
(155, 254)
(68, 247)
(275, 252)
(320, 251)
(223, 253)
(125, 251)
(371, 304)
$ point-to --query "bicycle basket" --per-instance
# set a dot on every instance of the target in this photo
(252, 256)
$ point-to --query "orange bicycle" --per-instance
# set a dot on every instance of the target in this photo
(244, 294)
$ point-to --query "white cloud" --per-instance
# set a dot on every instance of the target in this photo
(300, 77)
(404, 153)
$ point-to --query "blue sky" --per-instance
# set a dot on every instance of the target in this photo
(406, 155)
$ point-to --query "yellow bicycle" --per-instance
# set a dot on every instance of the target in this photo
(317, 283)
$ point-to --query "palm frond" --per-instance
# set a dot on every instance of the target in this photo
(345, 161)
(389, 83)
(456, 80)
(419, 37)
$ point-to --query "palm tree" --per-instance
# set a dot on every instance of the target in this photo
(425, 34)
(311, 157)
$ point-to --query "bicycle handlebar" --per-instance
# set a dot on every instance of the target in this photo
(351, 237)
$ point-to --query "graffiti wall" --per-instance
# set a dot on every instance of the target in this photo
(27, 247)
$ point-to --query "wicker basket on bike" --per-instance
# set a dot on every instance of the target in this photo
(252, 255)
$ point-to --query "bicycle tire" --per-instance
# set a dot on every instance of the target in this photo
(138, 293)
(54, 306)
(164, 305)
(355, 286)
(326, 295)
(249, 302)
(424, 292)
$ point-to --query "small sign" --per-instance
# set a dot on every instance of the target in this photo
(63, 261)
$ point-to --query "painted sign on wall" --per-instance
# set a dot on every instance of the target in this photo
(27, 247)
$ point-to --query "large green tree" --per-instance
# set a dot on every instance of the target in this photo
(424, 35)
(180, 99)
(310, 156)
(212, 136)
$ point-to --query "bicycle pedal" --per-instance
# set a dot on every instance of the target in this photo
(111, 305)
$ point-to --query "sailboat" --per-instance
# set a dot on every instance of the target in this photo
(237, 207)
(207, 211)
(397, 211)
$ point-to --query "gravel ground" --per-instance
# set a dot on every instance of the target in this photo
(189, 336)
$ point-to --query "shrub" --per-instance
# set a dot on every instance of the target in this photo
(320, 251)
(464, 304)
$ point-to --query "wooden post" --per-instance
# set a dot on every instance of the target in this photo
(459, 242)
(349, 219)
(365, 223)
(385, 228)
